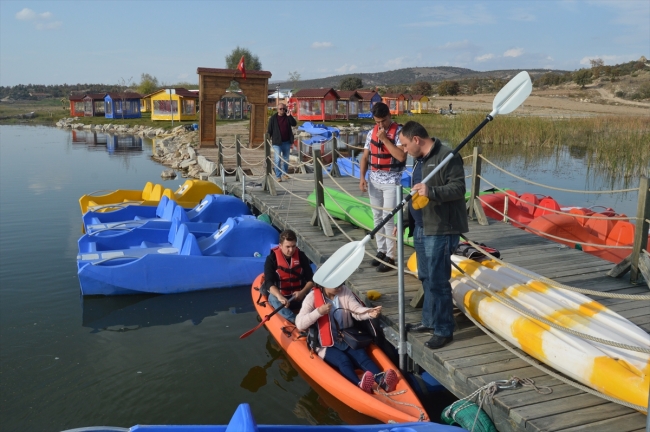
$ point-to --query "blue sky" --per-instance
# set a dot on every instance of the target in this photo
(55, 42)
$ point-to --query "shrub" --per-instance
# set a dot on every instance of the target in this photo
(620, 94)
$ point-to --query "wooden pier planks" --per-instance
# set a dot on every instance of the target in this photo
(474, 359)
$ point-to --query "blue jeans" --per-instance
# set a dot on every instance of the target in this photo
(349, 360)
(287, 313)
(434, 270)
(285, 150)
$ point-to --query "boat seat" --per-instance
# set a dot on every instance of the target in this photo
(191, 246)
(599, 227)
(527, 199)
(160, 209)
(580, 211)
(146, 191)
(622, 234)
(546, 203)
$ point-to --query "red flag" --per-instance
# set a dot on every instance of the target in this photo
(241, 67)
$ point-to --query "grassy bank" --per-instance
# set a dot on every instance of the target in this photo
(619, 144)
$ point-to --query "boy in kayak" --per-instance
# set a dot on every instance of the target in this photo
(383, 152)
(335, 308)
(287, 275)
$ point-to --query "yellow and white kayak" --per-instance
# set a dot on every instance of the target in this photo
(187, 195)
(621, 373)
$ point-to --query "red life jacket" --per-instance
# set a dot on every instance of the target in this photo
(289, 278)
(325, 332)
(380, 157)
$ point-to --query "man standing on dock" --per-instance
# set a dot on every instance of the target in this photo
(436, 226)
(279, 129)
(383, 152)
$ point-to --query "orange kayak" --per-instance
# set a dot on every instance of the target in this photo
(400, 406)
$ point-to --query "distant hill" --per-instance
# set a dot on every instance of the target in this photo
(411, 76)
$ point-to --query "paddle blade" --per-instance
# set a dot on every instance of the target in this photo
(341, 264)
(512, 94)
(251, 331)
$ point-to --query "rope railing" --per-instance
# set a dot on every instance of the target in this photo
(286, 173)
(553, 187)
(612, 218)
(544, 234)
(355, 198)
(227, 171)
(292, 193)
(260, 162)
(555, 284)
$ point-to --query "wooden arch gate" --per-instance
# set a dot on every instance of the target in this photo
(213, 84)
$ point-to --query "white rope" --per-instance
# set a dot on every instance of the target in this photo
(251, 163)
(552, 187)
(355, 198)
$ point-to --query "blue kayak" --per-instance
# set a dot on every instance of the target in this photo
(319, 129)
(212, 209)
(243, 421)
(349, 167)
(159, 262)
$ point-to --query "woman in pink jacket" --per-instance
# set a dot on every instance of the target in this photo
(332, 308)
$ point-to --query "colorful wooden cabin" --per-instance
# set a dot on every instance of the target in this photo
(145, 102)
(396, 103)
(367, 101)
(347, 107)
(166, 102)
(77, 105)
(419, 104)
(122, 105)
(316, 104)
(94, 104)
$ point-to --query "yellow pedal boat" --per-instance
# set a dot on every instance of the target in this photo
(189, 194)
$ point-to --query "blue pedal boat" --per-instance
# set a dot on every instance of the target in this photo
(350, 167)
(212, 209)
(243, 421)
(159, 262)
(319, 129)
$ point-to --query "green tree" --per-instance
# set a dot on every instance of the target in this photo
(350, 83)
(294, 77)
(582, 77)
(450, 88)
(148, 84)
(422, 87)
(251, 61)
(472, 86)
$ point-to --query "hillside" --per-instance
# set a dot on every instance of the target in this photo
(412, 75)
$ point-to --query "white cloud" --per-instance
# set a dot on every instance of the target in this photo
(26, 15)
(49, 25)
(514, 52)
(321, 45)
(453, 46)
(346, 68)
(397, 61)
(522, 15)
(609, 59)
(45, 15)
(484, 57)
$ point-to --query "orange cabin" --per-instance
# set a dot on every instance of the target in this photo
(396, 103)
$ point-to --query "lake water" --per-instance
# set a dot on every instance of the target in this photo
(69, 362)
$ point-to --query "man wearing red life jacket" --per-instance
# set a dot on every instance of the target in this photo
(287, 275)
(384, 154)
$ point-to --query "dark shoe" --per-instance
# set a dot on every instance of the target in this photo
(418, 328)
(383, 268)
(438, 341)
(379, 256)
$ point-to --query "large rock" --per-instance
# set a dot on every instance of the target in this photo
(207, 166)
(187, 163)
(168, 174)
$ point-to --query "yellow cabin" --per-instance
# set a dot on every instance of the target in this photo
(165, 103)
(145, 102)
(419, 104)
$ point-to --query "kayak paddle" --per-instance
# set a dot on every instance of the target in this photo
(346, 260)
(266, 318)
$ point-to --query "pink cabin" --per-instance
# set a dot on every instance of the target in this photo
(396, 102)
(316, 104)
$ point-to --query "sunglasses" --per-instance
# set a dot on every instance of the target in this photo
(282, 109)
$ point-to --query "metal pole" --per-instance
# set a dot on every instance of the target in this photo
(238, 152)
(243, 187)
(171, 106)
(400, 284)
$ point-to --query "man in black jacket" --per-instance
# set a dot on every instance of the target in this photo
(436, 228)
(281, 134)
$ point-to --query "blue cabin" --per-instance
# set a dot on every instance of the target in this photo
(122, 105)
(368, 100)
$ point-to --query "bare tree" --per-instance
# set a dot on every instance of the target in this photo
(125, 84)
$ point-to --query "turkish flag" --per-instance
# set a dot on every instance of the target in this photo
(241, 67)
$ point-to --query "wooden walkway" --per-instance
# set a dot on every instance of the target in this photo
(473, 358)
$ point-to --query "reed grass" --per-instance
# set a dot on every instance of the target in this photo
(616, 146)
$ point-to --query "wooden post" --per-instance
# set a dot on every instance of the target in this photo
(334, 170)
(319, 217)
(238, 174)
(220, 154)
(268, 177)
(476, 181)
(641, 231)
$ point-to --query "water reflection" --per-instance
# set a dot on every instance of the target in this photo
(112, 143)
(125, 313)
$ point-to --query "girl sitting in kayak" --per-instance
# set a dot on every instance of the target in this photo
(329, 309)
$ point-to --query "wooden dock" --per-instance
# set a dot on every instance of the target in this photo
(473, 359)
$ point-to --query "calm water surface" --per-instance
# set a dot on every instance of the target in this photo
(70, 362)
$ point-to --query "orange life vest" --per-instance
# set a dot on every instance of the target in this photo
(380, 157)
(324, 324)
(289, 278)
